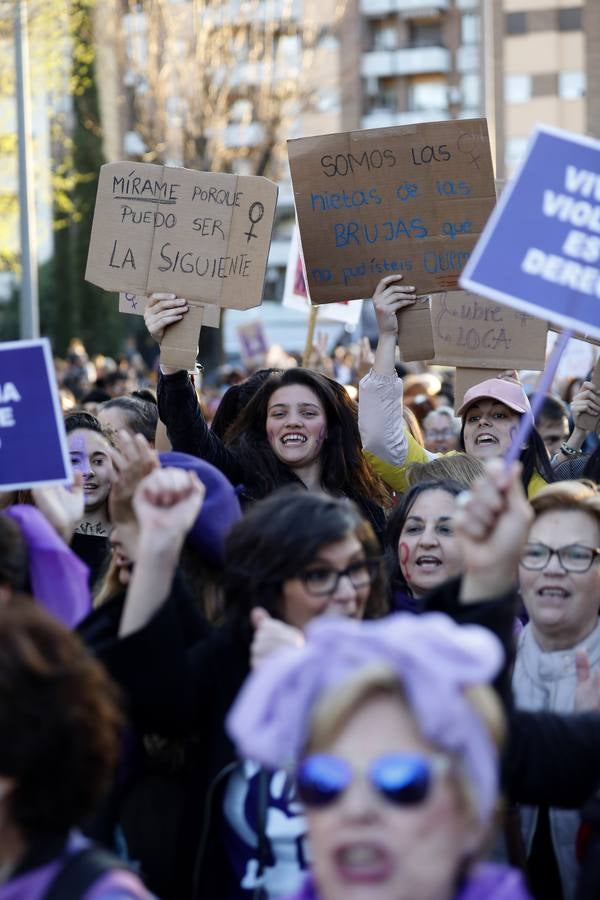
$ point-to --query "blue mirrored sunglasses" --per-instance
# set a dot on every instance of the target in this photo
(402, 778)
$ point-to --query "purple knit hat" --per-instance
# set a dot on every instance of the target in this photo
(434, 659)
(59, 579)
(220, 510)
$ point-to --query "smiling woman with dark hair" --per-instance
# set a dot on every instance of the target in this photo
(299, 427)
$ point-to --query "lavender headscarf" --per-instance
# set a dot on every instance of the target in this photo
(434, 659)
(58, 578)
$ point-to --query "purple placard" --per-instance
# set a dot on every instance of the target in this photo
(33, 443)
(540, 249)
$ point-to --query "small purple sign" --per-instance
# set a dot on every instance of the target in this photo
(33, 444)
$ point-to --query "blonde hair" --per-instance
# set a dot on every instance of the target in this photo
(565, 496)
(412, 423)
(459, 467)
(336, 706)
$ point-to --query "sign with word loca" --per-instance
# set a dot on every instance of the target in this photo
(540, 251)
(410, 200)
(469, 330)
(200, 235)
(33, 444)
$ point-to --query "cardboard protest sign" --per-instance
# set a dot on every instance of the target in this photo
(135, 305)
(33, 444)
(411, 199)
(415, 334)
(200, 235)
(295, 292)
(466, 378)
(469, 330)
(540, 251)
(179, 346)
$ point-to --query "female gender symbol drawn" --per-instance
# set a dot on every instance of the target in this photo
(255, 214)
(465, 145)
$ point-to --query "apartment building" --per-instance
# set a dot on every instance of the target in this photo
(542, 70)
(419, 61)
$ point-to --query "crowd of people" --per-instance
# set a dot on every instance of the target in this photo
(300, 633)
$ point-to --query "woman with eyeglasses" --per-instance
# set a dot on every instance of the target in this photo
(559, 578)
(393, 747)
(294, 557)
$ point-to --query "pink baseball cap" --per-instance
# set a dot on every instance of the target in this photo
(510, 393)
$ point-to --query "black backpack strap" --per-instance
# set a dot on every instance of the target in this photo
(80, 872)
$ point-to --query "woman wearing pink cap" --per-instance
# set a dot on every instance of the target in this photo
(490, 411)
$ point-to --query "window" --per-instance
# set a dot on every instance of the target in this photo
(428, 95)
(383, 99)
(517, 88)
(469, 29)
(571, 85)
(385, 38)
(425, 34)
(469, 85)
(516, 23)
(570, 19)
(515, 151)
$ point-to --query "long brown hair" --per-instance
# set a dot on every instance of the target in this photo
(344, 468)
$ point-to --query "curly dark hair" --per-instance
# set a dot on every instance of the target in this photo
(279, 537)
(60, 723)
(344, 468)
(235, 399)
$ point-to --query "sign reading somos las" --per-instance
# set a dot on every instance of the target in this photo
(200, 235)
(410, 199)
(540, 251)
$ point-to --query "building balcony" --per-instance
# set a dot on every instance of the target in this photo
(408, 9)
(407, 61)
(385, 118)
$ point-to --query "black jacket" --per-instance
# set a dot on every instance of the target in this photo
(188, 432)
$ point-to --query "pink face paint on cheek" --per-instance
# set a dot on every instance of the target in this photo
(321, 437)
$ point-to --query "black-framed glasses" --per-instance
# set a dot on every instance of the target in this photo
(404, 779)
(572, 557)
(321, 580)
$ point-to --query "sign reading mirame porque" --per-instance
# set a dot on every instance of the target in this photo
(200, 235)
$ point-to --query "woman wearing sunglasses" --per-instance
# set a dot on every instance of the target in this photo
(295, 556)
(559, 578)
(393, 748)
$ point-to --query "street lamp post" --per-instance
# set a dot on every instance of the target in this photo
(29, 310)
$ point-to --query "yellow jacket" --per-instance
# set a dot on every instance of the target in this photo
(395, 476)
